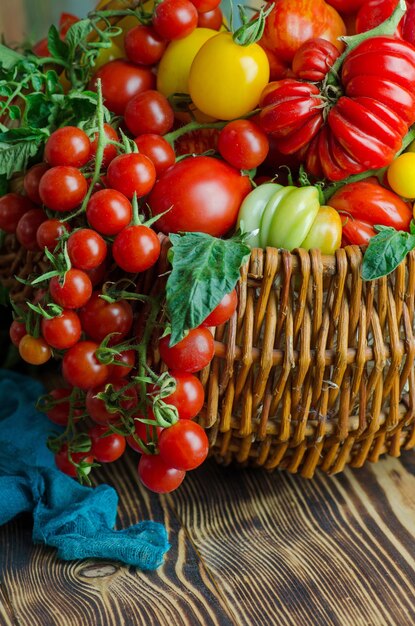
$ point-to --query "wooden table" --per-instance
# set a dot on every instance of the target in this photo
(247, 548)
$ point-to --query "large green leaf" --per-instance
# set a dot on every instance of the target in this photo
(204, 270)
(386, 251)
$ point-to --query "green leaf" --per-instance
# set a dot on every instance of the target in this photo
(412, 227)
(385, 252)
(17, 147)
(39, 110)
(78, 33)
(204, 270)
(58, 48)
(9, 58)
(14, 112)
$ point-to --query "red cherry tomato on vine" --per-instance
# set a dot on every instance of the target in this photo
(12, 207)
(63, 463)
(74, 292)
(109, 211)
(59, 413)
(48, 233)
(211, 19)
(158, 150)
(243, 144)
(34, 350)
(68, 146)
(27, 228)
(191, 354)
(63, 331)
(224, 311)
(174, 19)
(132, 173)
(123, 364)
(149, 112)
(144, 46)
(157, 476)
(121, 81)
(203, 6)
(99, 318)
(144, 432)
(31, 181)
(98, 274)
(86, 249)
(97, 408)
(136, 249)
(17, 331)
(106, 448)
(110, 151)
(81, 368)
(184, 445)
(189, 395)
(205, 194)
(62, 188)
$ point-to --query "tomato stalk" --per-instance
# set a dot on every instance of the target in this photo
(251, 31)
(194, 125)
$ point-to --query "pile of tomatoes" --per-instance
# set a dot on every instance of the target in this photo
(186, 149)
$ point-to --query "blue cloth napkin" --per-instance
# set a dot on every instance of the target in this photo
(76, 520)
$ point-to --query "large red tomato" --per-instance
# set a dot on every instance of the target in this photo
(203, 193)
(346, 6)
(292, 22)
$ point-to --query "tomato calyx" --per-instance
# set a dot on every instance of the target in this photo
(251, 30)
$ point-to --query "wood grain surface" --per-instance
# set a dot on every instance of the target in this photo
(248, 548)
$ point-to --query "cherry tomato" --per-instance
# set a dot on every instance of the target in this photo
(243, 144)
(205, 194)
(191, 354)
(97, 408)
(109, 211)
(99, 318)
(86, 249)
(65, 465)
(12, 207)
(224, 311)
(68, 146)
(174, 19)
(106, 448)
(63, 331)
(157, 476)
(211, 19)
(145, 432)
(110, 151)
(34, 350)
(144, 46)
(48, 233)
(59, 413)
(17, 331)
(203, 6)
(158, 150)
(62, 188)
(184, 445)
(149, 112)
(401, 175)
(132, 174)
(136, 249)
(121, 81)
(123, 364)
(31, 181)
(74, 292)
(27, 228)
(98, 274)
(41, 48)
(226, 80)
(81, 368)
(189, 395)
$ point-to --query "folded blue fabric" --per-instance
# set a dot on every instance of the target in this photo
(76, 520)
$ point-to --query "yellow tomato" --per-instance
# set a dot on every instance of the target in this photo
(175, 64)
(401, 175)
(326, 231)
(226, 80)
